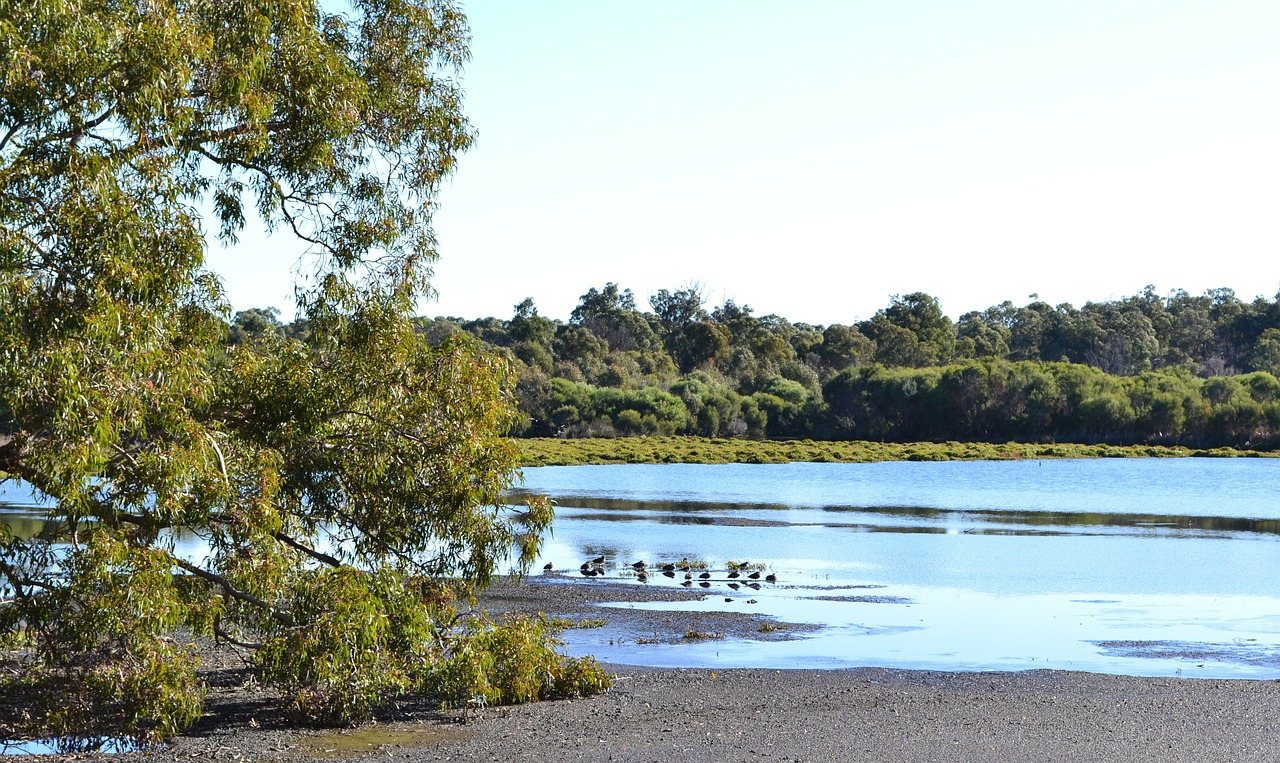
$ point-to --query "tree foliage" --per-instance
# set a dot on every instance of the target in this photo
(346, 474)
(1139, 369)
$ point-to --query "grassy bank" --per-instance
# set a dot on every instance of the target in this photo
(700, 450)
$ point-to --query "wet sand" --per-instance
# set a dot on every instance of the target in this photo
(867, 714)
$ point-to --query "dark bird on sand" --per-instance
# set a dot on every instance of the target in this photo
(755, 575)
(704, 575)
(733, 574)
(771, 579)
(642, 577)
(588, 572)
(546, 567)
(640, 565)
(727, 600)
(688, 575)
(668, 567)
(598, 560)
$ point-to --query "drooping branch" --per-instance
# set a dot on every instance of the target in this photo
(11, 453)
(319, 556)
(227, 637)
(235, 593)
(399, 431)
(280, 193)
(291, 542)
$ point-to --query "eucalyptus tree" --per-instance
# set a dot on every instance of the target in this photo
(349, 487)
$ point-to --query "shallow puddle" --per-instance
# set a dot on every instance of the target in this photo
(956, 629)
(70, 746)
(341, 744)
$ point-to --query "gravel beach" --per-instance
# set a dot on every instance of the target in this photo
(868, 714)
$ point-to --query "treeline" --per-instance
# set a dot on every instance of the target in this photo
(1182, 369)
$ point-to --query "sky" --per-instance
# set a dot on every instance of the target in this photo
(811, 159)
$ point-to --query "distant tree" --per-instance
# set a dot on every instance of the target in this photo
(920, 315)
(981, 336)
(527, 326)
(679, 308)
(844, 346)
(1265, 355)
(611, 315)
(252, 323)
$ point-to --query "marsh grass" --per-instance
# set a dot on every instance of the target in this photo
(701, 450)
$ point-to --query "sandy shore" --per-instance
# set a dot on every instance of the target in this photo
(740, 715)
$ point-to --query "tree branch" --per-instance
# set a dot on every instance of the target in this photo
(227, 637)
(311, 552)
(275, 186)
(281, 617)
(400, 432)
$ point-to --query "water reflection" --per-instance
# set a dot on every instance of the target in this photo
(72, 746)
(1174, 486)
(981, 566)
(911, 518)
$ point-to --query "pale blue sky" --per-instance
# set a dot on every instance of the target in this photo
(812, 158)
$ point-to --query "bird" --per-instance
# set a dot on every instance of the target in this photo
(642, 577)
(589, 572)
(755, 575)
(771, 579)
(598, 560)
(688, 575)
(546, 567)
(704, 575)
(727, 600)
(668, 567)
(734, 586)
(733, 574)
(687, 583)
(705, 584)
(640, 565)
(754, 586)
(669, 573)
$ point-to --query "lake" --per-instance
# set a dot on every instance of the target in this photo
(1131, 566)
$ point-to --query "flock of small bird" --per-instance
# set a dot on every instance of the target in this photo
(736, 574)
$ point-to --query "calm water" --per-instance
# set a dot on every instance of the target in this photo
(1146, 567)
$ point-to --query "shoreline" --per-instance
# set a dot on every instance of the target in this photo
(699, 714)
(692, 449)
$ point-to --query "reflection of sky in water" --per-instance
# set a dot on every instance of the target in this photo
(952, 629)
(1106, 565)
(1080, 565)
(1239, 487)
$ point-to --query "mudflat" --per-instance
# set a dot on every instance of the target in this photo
(866, 714)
